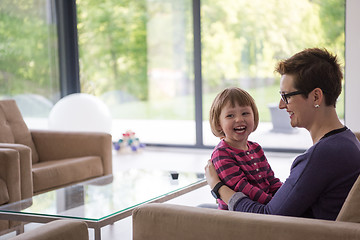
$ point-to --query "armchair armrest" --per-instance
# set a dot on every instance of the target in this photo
(10, 174)
(59, 229)
(54, 145)
(167, 221)
(26, 180)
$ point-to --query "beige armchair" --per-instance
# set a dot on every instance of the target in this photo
(57, 230)
(9, 185)
(357, 134)
(52, 159)
(166, 221)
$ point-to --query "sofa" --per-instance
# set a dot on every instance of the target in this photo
(167, 221)
(52, 159)
(57, 230)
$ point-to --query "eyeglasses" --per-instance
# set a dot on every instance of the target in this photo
(284, 96)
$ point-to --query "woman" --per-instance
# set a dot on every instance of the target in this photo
(321, 178)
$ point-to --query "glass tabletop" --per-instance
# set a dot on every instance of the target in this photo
(105, 196)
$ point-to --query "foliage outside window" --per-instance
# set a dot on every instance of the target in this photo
(243, 41)
(137, 56)
(28, 55)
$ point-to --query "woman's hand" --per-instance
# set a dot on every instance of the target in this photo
(212, 179)
(211, 175)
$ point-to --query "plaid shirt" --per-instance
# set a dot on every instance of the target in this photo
(245, 171)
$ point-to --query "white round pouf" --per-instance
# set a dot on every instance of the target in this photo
(80, 112)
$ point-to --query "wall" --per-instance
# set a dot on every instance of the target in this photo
(352, 67)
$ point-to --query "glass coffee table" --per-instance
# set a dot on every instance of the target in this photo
(105, 200)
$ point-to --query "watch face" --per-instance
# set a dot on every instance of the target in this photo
(214, 194)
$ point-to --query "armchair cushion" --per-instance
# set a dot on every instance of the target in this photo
(13, 129)
(57, 145)
(56, 173)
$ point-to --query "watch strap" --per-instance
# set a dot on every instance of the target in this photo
(215, 190)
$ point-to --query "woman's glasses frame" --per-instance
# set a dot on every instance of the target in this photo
(284, 96)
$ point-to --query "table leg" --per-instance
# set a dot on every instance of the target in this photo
(97, 233)
(20, 228)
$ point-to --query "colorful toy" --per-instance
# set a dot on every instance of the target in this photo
(128, 143)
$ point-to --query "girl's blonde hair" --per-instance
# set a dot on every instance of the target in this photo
(234, 95)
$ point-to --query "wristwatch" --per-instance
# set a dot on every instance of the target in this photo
(215, 190)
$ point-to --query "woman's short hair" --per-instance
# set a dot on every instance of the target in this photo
(314, 68)
(234, 95)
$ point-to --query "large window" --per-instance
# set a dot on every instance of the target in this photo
(139, 58)
(29, 57)
(242, 44)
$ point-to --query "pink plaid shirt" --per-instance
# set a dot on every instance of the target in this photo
(245, 171)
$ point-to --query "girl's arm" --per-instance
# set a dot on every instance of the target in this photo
(230, 173)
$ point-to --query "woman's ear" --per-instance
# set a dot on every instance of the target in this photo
(318, 96)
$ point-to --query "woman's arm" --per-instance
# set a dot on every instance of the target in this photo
(288, 200)
(297, 195)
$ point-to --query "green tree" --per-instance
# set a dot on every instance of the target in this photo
(244, 39)
(112, 40)
(332, 18)
(25, 37)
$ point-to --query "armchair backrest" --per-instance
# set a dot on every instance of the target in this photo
(357, 134)
(13, 128)
(350, 211)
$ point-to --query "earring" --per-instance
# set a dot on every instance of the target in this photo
(317, 106)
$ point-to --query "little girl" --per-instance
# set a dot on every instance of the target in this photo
(240, 164)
